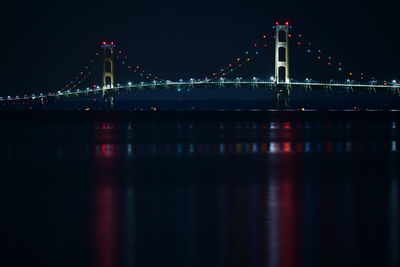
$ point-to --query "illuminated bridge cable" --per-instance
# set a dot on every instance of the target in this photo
(329, 61)
(136, 69)
(78, 84)
(83, 75)
(241, 60)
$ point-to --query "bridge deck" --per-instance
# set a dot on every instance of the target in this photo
(236, 82)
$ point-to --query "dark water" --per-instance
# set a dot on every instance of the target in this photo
(200, 189)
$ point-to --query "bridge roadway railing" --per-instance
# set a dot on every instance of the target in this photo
(308, 85)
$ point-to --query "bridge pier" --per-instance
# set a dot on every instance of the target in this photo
(282, 94)
(42, 103)
(108, 101)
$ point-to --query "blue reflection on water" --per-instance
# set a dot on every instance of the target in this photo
(265, 193)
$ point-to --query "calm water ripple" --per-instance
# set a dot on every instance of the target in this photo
(271, 190)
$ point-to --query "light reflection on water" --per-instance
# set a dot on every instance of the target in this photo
(274, 221)
(130, 150)
(263, 193)
(137, 139)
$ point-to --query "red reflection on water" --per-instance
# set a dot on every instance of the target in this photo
(105, 210)
(106, 138)
(105, 224)
(105, 150)
(107, 126)
(287, 147)
(289, 214)
(287, 222)
(287, 125)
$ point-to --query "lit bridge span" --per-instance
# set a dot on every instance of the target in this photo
(281, 83)
(254, 83)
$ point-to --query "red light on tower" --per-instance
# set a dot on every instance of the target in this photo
(112, 43)
(287, 23)
(276, 23)
(104, 43)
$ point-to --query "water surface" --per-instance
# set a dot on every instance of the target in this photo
(200, 189)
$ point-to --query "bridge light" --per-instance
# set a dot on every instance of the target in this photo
(129, 83)
(272, 78)
(394, 81)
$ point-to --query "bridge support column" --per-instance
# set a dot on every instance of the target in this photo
(108, 102)
(108, 78)
(282, 93)
(282, 78)
(42, 102)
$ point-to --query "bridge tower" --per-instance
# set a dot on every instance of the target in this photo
(282, 80)
(108, 78)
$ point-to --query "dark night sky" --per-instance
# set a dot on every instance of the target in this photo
(46, 44)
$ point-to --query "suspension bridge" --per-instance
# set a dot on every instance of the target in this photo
(282, 84)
